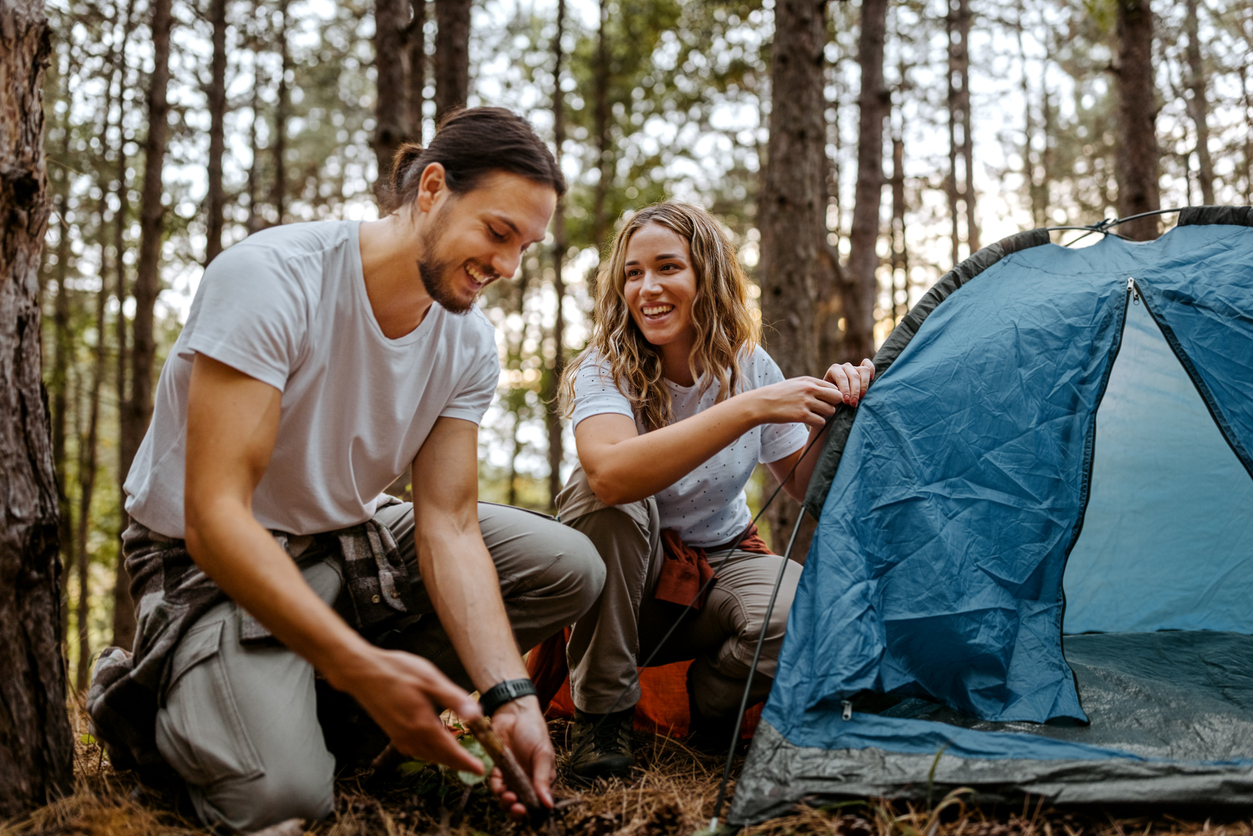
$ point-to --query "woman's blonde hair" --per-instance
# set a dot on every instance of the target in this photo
(726, 331)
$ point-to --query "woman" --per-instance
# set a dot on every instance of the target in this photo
(674, 403)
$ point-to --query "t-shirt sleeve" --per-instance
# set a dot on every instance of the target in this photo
(595, 392)
(472, 399)
(778, 441)
(250, 314)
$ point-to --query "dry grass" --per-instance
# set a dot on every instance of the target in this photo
(674, 795)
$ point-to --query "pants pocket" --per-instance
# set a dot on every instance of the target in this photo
(200, 731)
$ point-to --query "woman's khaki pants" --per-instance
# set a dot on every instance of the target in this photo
(626, 623)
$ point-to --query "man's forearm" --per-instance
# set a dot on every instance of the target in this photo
(241, 557)
(463, 585)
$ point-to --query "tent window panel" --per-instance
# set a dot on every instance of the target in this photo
(1167, 540)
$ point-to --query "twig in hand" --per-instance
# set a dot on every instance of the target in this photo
(515, 778)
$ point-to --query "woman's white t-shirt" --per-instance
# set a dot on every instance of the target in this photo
(707, 507)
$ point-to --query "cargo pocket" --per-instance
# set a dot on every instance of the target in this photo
(200, 731)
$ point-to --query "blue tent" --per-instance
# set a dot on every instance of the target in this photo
(1033, 569)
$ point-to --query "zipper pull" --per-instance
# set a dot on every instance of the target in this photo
(1135, 293)
(848, 710)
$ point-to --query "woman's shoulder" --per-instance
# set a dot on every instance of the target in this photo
(593, 372)
(759, 368)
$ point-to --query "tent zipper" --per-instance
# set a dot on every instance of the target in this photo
(847, 714)
(1133, 292)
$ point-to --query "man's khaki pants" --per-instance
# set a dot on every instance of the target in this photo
(240, 722)
(626, 623)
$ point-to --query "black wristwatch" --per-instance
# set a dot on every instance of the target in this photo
(503, 692)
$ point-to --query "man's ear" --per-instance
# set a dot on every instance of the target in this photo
(431, 185)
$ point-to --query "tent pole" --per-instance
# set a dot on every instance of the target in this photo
(752, 671)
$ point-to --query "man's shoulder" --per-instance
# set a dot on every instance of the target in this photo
(292, 240)
(472, 326)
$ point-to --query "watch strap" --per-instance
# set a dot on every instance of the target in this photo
(503, 692)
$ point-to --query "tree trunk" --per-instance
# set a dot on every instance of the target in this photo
(795, 256)
(452, 55)
(253, 185)
(279, 144)
(863, 258)
(900, 254)
(417, 68)
(217, 131)
(1198, 106)
(86, 490)
(391, 66)
(1136, 152)
(960, 190)
(122, 605)
(147, 284)
(600, 127)
(59, 381)
(552, 410)
(36, 746)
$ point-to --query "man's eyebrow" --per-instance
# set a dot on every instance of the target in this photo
(505, 220)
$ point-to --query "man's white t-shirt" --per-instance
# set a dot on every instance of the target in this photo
(707, 506)
(288, 306)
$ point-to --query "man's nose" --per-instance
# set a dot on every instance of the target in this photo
(506, 263)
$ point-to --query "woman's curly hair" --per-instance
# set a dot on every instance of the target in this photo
(726, 332)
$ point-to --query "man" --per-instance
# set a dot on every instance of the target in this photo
(318, 363)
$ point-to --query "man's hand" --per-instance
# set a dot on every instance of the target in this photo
(522, 728)
(404, 694)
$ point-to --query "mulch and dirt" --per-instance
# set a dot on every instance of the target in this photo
(673, 795)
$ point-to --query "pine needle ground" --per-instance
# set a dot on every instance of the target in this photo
(672, 795)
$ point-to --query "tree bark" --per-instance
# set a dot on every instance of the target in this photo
(1198, 106)
(600, 127)
(452, 55)
(391, 66)
(795, 257)
(217, 131)
(279, 144)
(863, 258)
(86, 490)
(960, 190)
(552, 409)
(138, 409)
(253, 184)
(417, 68)
(900, 253)
(1136, 154)
(36, 747)
(59, 381)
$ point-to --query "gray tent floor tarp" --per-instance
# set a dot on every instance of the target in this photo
(1180, 703)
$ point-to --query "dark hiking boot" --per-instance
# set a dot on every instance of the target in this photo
(710, 735)
(603, 745)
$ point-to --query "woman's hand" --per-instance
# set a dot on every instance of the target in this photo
(851, 380)
(799, 400)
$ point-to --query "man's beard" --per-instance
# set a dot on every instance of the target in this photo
(437, 273)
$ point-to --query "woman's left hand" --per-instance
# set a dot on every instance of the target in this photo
(851, 380)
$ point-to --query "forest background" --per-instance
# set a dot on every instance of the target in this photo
(856, 152)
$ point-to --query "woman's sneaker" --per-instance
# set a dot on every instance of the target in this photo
(603, 745)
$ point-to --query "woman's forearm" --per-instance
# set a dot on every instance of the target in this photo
(624, 467)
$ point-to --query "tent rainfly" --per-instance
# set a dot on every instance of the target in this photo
(1033, 568)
